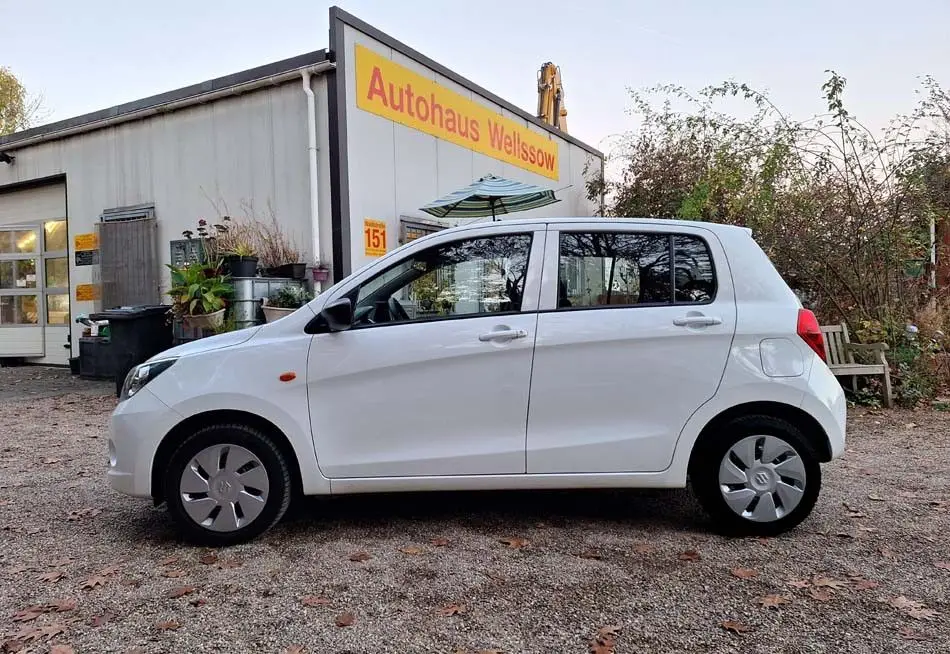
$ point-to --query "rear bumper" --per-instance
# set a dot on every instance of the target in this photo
(136, 429)
(826, 402)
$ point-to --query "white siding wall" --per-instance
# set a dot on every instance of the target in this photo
(249, 148)
(394, 169)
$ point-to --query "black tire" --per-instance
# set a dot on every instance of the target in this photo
(704, 475)
(274, 462)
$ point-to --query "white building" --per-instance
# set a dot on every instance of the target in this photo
(366, 130)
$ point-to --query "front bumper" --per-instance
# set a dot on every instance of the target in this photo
(136, 429)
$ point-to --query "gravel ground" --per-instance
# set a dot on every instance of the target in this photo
(868, 572)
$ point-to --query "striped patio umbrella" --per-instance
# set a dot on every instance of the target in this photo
(491, 196)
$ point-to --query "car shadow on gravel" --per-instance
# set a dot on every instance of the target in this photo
(489, 512)
(497, 510)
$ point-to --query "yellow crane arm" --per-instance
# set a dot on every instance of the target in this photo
(551, 107)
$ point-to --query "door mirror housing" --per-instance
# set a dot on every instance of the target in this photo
(338, 315)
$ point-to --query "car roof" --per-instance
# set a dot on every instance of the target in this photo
(622, 220)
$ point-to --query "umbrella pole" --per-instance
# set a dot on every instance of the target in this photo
(492, 202)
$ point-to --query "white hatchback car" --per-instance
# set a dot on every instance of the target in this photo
(524, 354)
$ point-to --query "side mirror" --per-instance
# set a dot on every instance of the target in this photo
(338, 315)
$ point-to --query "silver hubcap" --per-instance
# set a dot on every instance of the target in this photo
(224, 487)
(762, 478)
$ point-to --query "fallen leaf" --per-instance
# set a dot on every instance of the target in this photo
(943, 565)
(208, 559)
(79, 514)
(62, 649)
(820, 594)
(93, 582)
(865, 584)
(609, 631)
(914, 609)
(168, 625)
(875, 498)
(228, 564)
(294, 649)
(411, 550)
(17, 569)
(644, 548)
(690, 555)
(735, 627)
(198, 601)
(345, 619)
(605, 641)
(515, 543)
(169, 560)
(744, 573)
(61, 606)
(181, 591)
(440, 542)
(53, 576)
(46, 632)
(314, 600)
(28, 614)
(857, 514)
(12, 645)
(109, 570)
(828, 582)
(909, 634)
(452, 609)
(844, 534)
(773, 601)
(173, 574)
(360, 557)
(99, 620)
(762, 540)
(591, 554)
(48, 461)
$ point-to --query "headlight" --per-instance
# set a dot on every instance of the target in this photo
(141, 375)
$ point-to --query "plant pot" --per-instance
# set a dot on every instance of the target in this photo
(321, 274)
(273, 314)
(292, 270)
(205, 321)
(241, 266)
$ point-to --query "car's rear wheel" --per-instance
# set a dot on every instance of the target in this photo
(757, 475)
(227, 484)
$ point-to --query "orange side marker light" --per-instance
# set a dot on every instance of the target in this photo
(288, 376)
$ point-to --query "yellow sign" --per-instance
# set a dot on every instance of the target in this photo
(86, 242)
(87, 292)
(394, 92)
(374, 237)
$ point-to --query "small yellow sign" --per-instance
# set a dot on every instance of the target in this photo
(86, 242)
(374, 237)
(392, 91)
(87, 292)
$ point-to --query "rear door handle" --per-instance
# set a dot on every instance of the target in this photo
(697, 321)
(503, 335)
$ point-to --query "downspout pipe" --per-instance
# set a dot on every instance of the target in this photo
(307, 75)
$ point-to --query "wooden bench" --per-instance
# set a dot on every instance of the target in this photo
(839, 353)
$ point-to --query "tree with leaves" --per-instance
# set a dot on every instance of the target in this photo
(18, 109)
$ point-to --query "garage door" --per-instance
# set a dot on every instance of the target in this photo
(34, 274)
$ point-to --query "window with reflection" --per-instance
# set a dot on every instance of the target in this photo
(471, 277)
(630, 268)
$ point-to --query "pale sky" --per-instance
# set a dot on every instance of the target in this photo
(92, 54)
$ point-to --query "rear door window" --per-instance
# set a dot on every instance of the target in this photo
(600, 269)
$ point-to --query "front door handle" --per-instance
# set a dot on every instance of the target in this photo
(502, 335)
(697, 321)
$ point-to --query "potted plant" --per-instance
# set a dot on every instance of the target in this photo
(320, 272)
(199, 295)
(241, 260)
(285, 300)
(278, 251)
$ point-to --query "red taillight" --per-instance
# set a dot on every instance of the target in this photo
(810, 332)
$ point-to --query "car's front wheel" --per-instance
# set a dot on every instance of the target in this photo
(227, 484)
(758, 475)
